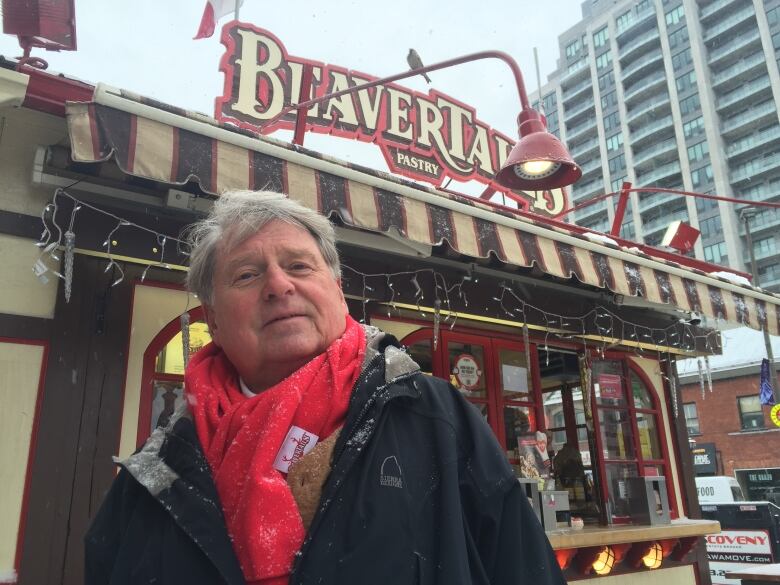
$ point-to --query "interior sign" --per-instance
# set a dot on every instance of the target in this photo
(425, 136)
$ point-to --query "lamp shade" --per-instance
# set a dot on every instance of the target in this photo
(538, 161)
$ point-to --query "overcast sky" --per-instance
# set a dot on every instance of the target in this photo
(146, 46)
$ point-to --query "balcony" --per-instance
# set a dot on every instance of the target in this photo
(645, 86)
(591, 167)
(733, 75)
(656, 200)
(661, 223)
(730, 23)
(643, 42)
(771, 283)
(714, 8)
(651, 129)
(574, 75)
(579, 110)
(639, 18)
(756, 115)
(752, 142)
(766, 221)
(768, 191)
(646, 63)
(661, 151)
(591, 210)
(734, 50)
(737, 97)
(584, 148)
(587, 190)
(650, 106)
(580, 131)
(573, 92)
(655, 175)
(755, 168)
(761, 253)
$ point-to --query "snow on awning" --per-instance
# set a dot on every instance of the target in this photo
(172, 146)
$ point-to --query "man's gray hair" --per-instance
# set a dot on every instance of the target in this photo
(238, 215)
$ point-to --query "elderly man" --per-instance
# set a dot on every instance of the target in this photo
(312, 449)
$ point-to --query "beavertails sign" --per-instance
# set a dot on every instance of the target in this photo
(428, 137)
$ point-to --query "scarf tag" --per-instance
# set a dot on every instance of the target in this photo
(296, 444)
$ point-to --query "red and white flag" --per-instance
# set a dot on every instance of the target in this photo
(215, 9)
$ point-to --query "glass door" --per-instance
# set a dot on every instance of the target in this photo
(467, 361)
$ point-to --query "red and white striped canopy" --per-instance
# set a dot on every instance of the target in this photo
(173, 146)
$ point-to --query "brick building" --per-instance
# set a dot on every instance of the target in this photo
(730, 420)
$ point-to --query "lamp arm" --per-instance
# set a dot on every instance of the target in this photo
(505, 57)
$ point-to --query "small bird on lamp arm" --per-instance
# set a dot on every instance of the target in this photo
(413, 58)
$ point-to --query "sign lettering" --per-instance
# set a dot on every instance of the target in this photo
(430, 137)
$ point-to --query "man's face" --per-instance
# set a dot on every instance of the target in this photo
(275, 305)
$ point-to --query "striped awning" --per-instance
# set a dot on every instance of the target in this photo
(174, 147)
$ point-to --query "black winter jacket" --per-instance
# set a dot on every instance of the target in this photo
(419, 493)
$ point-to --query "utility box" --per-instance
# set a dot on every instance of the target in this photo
(530, 488)
(648, 501)
(554, 508)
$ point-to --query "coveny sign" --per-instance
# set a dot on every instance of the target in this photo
(429, 137)
(732, 549)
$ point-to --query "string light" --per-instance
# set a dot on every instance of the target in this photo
(610, 327)
(49, 242)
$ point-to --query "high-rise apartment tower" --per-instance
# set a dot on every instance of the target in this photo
(681, 94)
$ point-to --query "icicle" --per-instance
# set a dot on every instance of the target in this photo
(70, 245)
(673, 388)
(436, 322)
(184, 319)
(701, 376)
(708, 372)
(526, 345)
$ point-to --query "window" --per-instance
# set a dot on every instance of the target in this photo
(678, 37)
(675, 15)
(686, 81)
(691, 418)
(701, 177)
(694, 127)
(681, 59)
(616, 185)
(627, 420)
(764, 246)
(552, 120)
(642, 5)
(607, 80)
(698, 151)
(612, 121)
(617, 164)
(751, 417)
(773, 15)
(601, 37)
(609, 100)
(703, 204)
(549, 102)
(690, 105)
(603, 60)
(627, 231)
(614, 142)
(716, 254)
(573, 48)
(710, 227)
(622, 21)
(577, 65)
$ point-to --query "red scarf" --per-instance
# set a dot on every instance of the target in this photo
(241, 437)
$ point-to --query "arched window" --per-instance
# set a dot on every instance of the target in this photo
(163, 376)
(628, 421)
